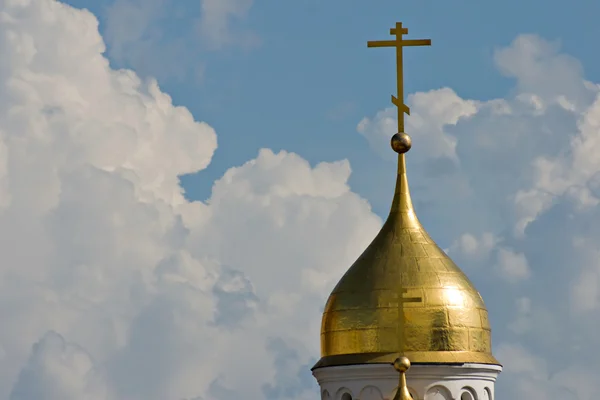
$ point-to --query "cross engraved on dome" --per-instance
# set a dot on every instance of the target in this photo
(402, 316)
(399, 44)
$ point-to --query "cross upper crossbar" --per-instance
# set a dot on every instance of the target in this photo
(404, 31)
(412, 299)
(409, 299)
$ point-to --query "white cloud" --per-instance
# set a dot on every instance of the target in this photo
(585, 287)
(215, 22)
(138, 34)
(150, 296)
(61, 371)
(430, 112)
(534, 378)
(522, 323)
(585, 292)
(135, 38)
(474, 248)
(513, 266)
(154, 297)
(488, 249)
(541, 70)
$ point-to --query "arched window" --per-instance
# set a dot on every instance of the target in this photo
(346, 396)
(466, 396)
(487, 394)
(438, 393)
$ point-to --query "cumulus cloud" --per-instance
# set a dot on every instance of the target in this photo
(215, 22)
(139, 34)
(59, 370)
(490, 250)
(136, 39)
(430, 112)
(112, 284)
(541, 70)
(537, 379)
(513, 266)
(524, 169)
(472, 247)
(522, 322)
(585, 293)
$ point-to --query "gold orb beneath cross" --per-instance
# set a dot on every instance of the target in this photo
(402, 364)
(401, 143)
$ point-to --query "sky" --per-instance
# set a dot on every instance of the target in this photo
(183, 183)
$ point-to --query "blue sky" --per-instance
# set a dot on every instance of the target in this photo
(311, 78)
(275, 118)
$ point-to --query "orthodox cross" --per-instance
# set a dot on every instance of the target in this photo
(399, 44)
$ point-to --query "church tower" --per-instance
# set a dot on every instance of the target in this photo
(405, 322)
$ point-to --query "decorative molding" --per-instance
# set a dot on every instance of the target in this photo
(426, 382)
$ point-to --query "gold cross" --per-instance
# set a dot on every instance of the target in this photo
(399, 44)
(402, 317)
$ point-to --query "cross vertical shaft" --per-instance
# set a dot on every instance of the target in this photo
(400, 75)
(402, 317)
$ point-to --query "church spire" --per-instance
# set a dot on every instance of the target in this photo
(405, 299)
(404, 296)
(402, 208)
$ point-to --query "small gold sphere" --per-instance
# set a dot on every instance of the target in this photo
(401, 143)
(402, 364)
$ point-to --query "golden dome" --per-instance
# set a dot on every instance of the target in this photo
(442, 318)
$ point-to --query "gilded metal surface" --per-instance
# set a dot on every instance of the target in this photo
(401, 143)
(402, 365)
(441, 318)
(404, 296)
